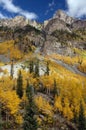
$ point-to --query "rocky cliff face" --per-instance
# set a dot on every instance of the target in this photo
(59, 34)
(64, 33)
(79, 24)
(61, 21)
(18, 21)
(64, 17)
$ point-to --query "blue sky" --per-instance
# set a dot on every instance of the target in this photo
(41, 9)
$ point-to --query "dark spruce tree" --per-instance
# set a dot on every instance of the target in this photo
(75, 119)
(0, 117)
(47, 69)
(30, 122)
(19, 89)
(55, 90)
(82, 119)
(11, 71)
(36, 71)
(31, 67)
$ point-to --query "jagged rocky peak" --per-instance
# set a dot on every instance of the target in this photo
(19, 21)
(62, 15)
(14, 22)
(35, 24)
(58, 22)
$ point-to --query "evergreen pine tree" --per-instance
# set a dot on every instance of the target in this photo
(31, 67)
(47, 69)
(75, 119)
(30, 122)
(0, 118)
(19, 89)
(11, 72)
(82, 120)
(55, 90)
(36, 72)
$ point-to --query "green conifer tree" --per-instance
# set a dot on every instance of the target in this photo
(31, 67)
(47, 69)
(19, 89)
(11, 71)
(82, 120)
(30, 122)
(36, 71)
(75, 119)
(0, 117)
(55, 90)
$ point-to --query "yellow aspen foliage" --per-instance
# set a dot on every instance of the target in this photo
(72, 89)
(6, 83)
(67, 112)
(44, 106)
(18, 55)
(9, 49)
(1, 63)
(5, 46)
(39, 120)
(58, 104)
(10, 102)
(48, 81)
(19, 119)
(5, 72)
(30, 78)
(82, 67)
(66, 59)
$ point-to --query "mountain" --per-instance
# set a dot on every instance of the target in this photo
(18, 21)
(64, 17)
(51, 60)
(61, 21)
(64, 31)
(60, 34)
(15, 22)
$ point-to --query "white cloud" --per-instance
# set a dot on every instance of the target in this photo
(50, 7)
(29, 15)
(76, 8)
(9, 6)
(51, 4)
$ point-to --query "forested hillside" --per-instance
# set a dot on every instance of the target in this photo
(43, 75)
